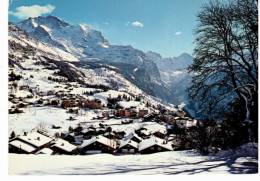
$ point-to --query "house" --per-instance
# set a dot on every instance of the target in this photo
(24, 87)
(180, 113)
(129, 113)
(70, 137)
(128, 146)
(92, 104)
(73, 138)
(88, 132)
(134, 137)
(68, 103)
(119, 134)
(192, 123)
(122, 113)
(29, 143)
(17, 146)
(98, 144)
(63, 147)
(153, 145)
(144, 133)
(160, 133)
(142, 112)
(108, 114)
(73, 110)
(111, 135)
(127, 121)
(46, 151)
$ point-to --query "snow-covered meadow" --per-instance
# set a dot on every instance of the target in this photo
(173, 162)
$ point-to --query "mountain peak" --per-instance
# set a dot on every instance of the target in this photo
(185, 56)
(50, 21)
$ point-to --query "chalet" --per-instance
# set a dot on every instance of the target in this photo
(127, 146)
(24, 87)
(70, 137)
(17, 146)
(92, 104)
(68, 103)
(46, 151)
(122, 113)
(73, 110)
(78, 140)
(119, 134)
(181, 123)
(143, 132)
(126, 121)
(129, 113)
(150, 116)
(29, 143)
(54, 102)
(133, 113)
(88, 132)
(134, 137)
(142, 113)
(98, 144)
(111, 135)
(50, 92)
(153, 145)
(160, 133)
(180, 113)
(63, 147)
(108, 114)
(191, 123)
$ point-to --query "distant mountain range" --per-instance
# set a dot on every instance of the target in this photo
(165, 78)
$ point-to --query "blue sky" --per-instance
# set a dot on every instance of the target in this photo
(163, 26)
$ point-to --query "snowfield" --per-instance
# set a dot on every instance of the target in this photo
(173, 162)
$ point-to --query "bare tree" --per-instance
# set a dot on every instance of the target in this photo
(226, 53)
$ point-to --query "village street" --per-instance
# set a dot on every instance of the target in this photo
(173, 162)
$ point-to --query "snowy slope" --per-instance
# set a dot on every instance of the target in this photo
(173, 162)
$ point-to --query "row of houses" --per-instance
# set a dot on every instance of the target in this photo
(91, 104)
(39, 143)
(96, 104)
(131, 113)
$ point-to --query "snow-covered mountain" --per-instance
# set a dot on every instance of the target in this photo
(89, 45)
(174, 73)
(170, 64)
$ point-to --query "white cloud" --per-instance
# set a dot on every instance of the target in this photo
(137, 24)
(24, 12)
(178, 33)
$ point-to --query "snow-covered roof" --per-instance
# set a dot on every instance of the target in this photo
(101, 139)
(64, 145)
(145, 132)
(154, 141)
(129, 104)
(23, 146)
(36, 139)
(131, 135)
(125, 142)
(155, 127)
(46, 151)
